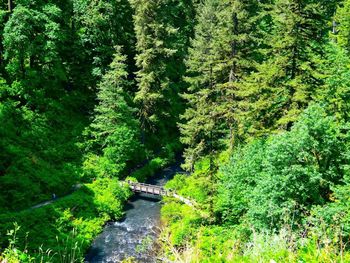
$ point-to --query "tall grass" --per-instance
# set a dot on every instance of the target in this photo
(68, 251)
(262, 247)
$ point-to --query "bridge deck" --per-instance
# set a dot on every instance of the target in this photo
(148, 189)
(157, 190)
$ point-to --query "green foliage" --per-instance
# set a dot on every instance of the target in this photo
(287, 81)
(225, 49)
(335, 91)
(84, 212)
(201, 129)
(149, 169)
(163, 29)
(32, 40)
(101, 25)
(233, 77)
(239, 180)
(110, 197)
(36, 161)
(182, 219)
(342, 28)
(275, 199)
(331, 221)
(114, 131)
(11, 254)
(282, 180)
(222, 244)
(199, 187)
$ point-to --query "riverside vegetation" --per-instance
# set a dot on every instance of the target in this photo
(255, 94)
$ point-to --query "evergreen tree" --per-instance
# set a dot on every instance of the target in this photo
(273, 97)
(114, 130)
(342, 25)
(336, 92)
(99, 26)
(204, 73)
(224, 50)
(336, 66)
(163, 29)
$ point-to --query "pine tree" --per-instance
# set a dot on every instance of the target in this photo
(200, 128)
(273, 97)
(342, 25)
(115, 129)
(163, 29)
(224, 50)
(249, 23)
(335, 92)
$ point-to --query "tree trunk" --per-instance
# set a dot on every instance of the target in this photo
(143, 136)
(231, 138)
(22, 67)
(334, 27)
(10, 5)
(233, 73)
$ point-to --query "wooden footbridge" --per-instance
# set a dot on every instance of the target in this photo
(149, 189)
(156, 190)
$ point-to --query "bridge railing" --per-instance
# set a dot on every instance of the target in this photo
(143, 184)
(149, 188)
(157, 190)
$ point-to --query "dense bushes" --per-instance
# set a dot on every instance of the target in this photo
(281, 178)
(113, 136)
(149, 169)
(282, 198)
(84, 213)
(36, 160)
(217, 75)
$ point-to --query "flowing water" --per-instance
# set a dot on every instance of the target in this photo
(134, 236)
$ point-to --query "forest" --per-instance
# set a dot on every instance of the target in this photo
(254, 95)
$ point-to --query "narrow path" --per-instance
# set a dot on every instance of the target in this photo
(44, 203)
(48, 202)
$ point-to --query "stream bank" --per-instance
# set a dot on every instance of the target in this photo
(134, 236)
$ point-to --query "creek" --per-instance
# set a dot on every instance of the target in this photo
(134, 236)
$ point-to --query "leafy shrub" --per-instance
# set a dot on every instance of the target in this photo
(149, 169)
(277, 181)
(110, 197)
(35, 159)
(238, 181)
(182, 221)
(84, 211)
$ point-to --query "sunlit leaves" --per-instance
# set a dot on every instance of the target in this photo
(281, 179)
